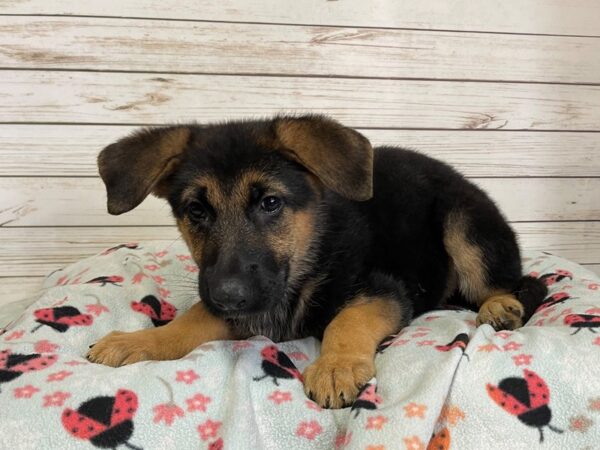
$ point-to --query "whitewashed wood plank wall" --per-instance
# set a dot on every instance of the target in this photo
(506, 90)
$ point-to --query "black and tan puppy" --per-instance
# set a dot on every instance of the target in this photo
(300, 229)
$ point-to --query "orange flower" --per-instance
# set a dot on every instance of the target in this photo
(414, 443)
(451, 415)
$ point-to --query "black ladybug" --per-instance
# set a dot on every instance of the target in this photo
(367, 399)
(106, 422)
(581, 321)
(160, 312)
(527, 398)
(13, 365)
(103, 281)
(460, 341)
(276, 364)
(61, 318)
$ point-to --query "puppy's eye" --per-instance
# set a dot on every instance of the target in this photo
(197, 212)
(271, 204)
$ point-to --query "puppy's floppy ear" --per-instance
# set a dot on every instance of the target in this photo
(135, 166)
(340, 157)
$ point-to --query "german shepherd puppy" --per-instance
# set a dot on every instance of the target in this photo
(300, 228)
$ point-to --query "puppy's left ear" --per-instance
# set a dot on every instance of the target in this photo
(340, 157)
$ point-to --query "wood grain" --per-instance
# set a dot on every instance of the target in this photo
(19, 288)
(50, 150)
(38, 251)
(233, 48)
(81, 201)
(126, 98)
(513, 16)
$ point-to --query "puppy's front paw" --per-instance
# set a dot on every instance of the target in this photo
(333, 380)
(119, 348)
(503, 312)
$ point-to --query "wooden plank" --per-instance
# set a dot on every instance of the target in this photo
(51, 150)
(81, 201)
(167, 46)
(513, 16)
(129, 98)
(593, 267)
(38, 251)
(577, 241)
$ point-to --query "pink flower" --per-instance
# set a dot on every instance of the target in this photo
(55, 399)
(45, 346)
(503, 334)
(376, 423)
(161, 253)
(594, 404)
(419, 334)
(298, 356)
(198, 403)
(278, 397)
(25, 391)
(184, 257)
(594, 286)
(167, 412)
(423, 343)
(522, 359)
(187, 376)
(59, 376)
(488, 348)
(191, 268)
(240, 345)
(138, 277)
(423, 329)
(548, 311)
(580, 423)
(415, 410)
(309, 430)
(597, 341)
(431, 318)
(399, 342)
(62, 280)
(96, 309)
(414, 443)
(539, 323)
(164, 293)
(158, 279)
(75, 363)
(312, 405)
(208, 429)
(343, 439)
(18, 334)
(512, 345)
(151, 267)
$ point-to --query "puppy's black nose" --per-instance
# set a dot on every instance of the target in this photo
(231, 294)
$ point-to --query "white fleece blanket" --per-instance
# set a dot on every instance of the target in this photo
(441, 383)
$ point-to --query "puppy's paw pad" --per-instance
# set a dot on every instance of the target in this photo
(333, 381)
(503, 312)
(119, 349)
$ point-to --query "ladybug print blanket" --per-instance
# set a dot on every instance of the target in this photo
(441, 383)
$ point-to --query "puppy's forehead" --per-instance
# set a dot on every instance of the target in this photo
(220, 190)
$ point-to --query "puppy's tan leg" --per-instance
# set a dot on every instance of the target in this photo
(348, 350)
(171, 341)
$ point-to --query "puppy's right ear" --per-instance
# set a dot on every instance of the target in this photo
(135, 166)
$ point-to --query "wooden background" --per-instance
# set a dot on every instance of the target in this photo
(507, 90)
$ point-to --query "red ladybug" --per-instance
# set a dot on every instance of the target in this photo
(554, 299)
(554, 277)
(103, 281)
(527, 398)
(367, 399)
(61, 318)
(106, 422)
(13, 365)
(440, 440)
(131, 246)
(581, 321)
(160, 312)
(460, 341)
(276, 364)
